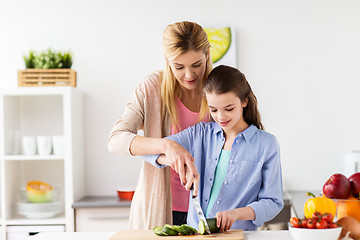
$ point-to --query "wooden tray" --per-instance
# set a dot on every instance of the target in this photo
(233, 234)
(46, 77)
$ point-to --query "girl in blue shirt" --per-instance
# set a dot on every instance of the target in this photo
(238, 162)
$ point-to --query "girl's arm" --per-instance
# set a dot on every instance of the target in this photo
(225, 219)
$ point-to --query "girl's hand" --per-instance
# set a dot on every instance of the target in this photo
(183, 163)
(226, 219)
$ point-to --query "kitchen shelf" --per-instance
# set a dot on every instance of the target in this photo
(45, 111)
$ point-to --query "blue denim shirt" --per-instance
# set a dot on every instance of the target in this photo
(253, 177)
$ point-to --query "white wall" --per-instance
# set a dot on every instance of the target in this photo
(301, 58)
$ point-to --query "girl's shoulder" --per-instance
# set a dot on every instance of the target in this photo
(207, 127)
(266, 137)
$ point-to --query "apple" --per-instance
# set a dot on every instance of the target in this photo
(337, 187)
(355, 184)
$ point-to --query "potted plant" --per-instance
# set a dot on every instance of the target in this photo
(47, 68)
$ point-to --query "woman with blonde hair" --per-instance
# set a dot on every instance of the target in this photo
(165, 103)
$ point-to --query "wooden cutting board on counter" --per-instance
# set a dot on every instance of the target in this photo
(233, 234)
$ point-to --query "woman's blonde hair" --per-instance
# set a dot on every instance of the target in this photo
(178, 38)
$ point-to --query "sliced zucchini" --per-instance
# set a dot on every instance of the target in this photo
(178, 229)
(158, 231)
(186, 229)
(193, 229)
(212, 226)
(169, 230)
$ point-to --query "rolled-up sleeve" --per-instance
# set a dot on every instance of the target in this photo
(152, 159)
(183, 138)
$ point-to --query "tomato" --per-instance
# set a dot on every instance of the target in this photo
(311, 223)
(328, 217)
(332, 225)
(304, 223)
(316, 215)
(295, 222)
(322, 224)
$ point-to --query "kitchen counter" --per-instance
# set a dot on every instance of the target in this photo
(248, 235)
(101, 202)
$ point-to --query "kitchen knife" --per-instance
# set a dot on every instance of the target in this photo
(199, 211)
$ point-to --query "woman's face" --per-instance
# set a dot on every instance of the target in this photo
(189, 69)
(227, 110)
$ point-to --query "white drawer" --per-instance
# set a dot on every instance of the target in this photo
(101, 219)
(23, 232)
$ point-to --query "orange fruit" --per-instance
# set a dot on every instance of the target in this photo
(348, 207)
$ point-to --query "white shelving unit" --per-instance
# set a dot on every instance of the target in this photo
(40, 111)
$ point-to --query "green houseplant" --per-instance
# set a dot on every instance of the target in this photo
(48, 59)
(47, 68)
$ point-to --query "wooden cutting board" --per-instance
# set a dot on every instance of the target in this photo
(233, 234)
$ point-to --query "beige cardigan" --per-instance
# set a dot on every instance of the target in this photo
(151, 205)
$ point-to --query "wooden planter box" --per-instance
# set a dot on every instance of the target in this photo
(46, 77)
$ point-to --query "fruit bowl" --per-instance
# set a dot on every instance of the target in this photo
(125, 194)
(314, 234)
(347, 207)
(39, 192)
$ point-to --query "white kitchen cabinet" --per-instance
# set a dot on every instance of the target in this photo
(102, 219)
(40, 111)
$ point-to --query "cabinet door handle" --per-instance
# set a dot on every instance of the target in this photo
(108, 218)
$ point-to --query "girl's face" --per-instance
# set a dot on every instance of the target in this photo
(189, 69)
(227, 110)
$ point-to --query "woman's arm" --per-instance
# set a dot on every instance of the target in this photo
(174, 155)
(124, 139)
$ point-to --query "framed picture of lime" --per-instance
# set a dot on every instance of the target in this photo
(222, 41)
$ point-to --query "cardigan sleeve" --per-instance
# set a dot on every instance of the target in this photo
(126, 127)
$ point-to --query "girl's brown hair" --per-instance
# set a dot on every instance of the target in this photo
(179, 38)
(223, 79)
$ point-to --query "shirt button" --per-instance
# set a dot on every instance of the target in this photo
(217, 201)
(205, 200)
(237, 141)
(225, 182)
(210, 179)
(231, 161)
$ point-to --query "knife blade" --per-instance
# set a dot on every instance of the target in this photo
(199, 211)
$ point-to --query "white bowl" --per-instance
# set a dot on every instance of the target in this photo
(315, 234)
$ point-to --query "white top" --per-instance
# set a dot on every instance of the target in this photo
(248, 235)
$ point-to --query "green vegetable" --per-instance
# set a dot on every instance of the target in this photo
(212, 226)
(169, 230)
(187, 230)
(173, 230)
(158, 231)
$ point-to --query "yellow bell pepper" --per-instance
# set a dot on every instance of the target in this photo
(319, 204)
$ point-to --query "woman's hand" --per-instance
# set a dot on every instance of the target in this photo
(182, 162)
(226, 219)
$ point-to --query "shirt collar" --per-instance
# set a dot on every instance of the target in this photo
(247, 133)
